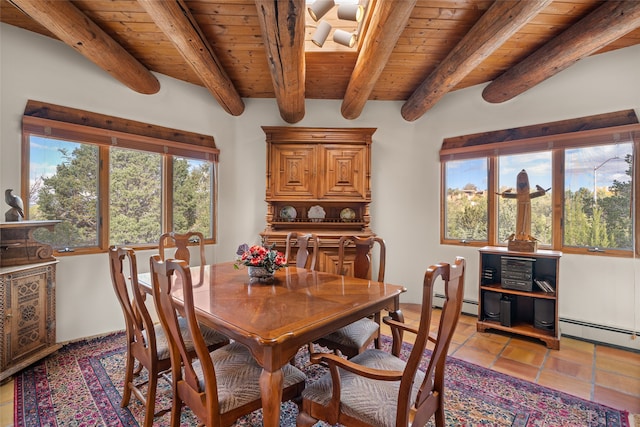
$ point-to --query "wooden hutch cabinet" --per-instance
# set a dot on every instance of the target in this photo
(318, 180)
(27, 296)
(511, 300)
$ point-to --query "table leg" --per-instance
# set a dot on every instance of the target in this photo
(271, 389)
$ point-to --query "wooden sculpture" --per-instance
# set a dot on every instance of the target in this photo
(522, 240)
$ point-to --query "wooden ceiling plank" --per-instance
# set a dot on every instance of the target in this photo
(495, 27)
(282, 24)
(177, 23)
(75, 29)
(612, 20)
(388, 20)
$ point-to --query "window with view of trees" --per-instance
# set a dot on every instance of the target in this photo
(590, 205)
(115, 189)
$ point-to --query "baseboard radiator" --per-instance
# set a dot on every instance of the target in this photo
(586, 331)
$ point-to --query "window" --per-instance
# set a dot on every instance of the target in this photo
(115, 188)
(538, 168)
(582, 185)
(466, 199)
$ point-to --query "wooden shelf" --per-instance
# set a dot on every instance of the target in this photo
(514, 310)
(329, 168)
(533, 294)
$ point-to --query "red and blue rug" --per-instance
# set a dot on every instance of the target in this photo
(81, 385)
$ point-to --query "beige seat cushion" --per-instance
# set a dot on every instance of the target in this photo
(211, 337)
(371, 401)
(238, 375)
(354, 335)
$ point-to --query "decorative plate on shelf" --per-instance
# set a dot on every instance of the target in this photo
(347, 215)
(316, 213)
(288, 213)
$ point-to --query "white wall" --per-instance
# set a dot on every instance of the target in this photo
(405, 178)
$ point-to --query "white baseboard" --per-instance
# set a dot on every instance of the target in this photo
(585, 331)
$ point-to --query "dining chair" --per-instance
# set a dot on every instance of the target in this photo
(146, 341)
(378, 388)
(217, 386)
(353, 339)
(182, 241)
(304, 258)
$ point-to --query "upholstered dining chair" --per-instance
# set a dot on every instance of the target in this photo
(182, 241)
(355, 338)
(218, 386)
(304, 258)
(377, 388)
(146, 341)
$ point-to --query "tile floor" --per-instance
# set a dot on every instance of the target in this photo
(596, 372)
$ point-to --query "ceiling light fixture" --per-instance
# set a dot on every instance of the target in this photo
(321, 33)
(351, 12)
(319, 8)
(344, 38)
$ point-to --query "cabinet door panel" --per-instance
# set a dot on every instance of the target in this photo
(293, 170)
(28, 306)
(343, 171)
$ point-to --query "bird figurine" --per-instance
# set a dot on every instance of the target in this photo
(17, 207)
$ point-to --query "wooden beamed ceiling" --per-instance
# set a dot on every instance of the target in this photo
(411, 50)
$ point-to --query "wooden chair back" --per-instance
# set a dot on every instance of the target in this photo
(331, 398)
(140, 330)
(203, 400)
(362, 263)
(231, 369)
(307, 254)
(430, 399)
(182, 241)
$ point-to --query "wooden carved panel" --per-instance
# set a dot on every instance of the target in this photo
(28, 316)
(344, 172)
(28, 305)
(293, 170)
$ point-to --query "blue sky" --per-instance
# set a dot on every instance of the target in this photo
(608, 159)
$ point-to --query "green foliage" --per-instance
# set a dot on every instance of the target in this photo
(71, 195)
(135, 197)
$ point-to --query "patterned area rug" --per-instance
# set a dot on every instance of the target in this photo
(81, 385)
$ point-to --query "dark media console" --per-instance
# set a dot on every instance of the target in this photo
(519, 293)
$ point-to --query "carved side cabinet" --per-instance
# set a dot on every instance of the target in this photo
(318, 180)
(27, 298)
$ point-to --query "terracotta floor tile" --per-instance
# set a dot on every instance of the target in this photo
(565, 383)
(515, 369)
(572, 354)
(576, 345)
(613, 353)
(473, 355)
(6, 392)
(622, 383)
(524, 354)
(569, 368)
(618, 365)
(616, 399)
(488, 345)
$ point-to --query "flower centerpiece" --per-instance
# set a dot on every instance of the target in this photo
(262, 261)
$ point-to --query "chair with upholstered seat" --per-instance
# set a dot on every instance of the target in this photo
(377, 388)
(355, 338)
(146, 341)
(304, 242)
(217, 386)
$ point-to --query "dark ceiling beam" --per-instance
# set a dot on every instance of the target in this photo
(501, 21)
(176, 21)
(606, 24)
(282, 24)
(74, 28)
(388, 20)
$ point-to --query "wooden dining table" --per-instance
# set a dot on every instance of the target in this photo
(275, 320)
